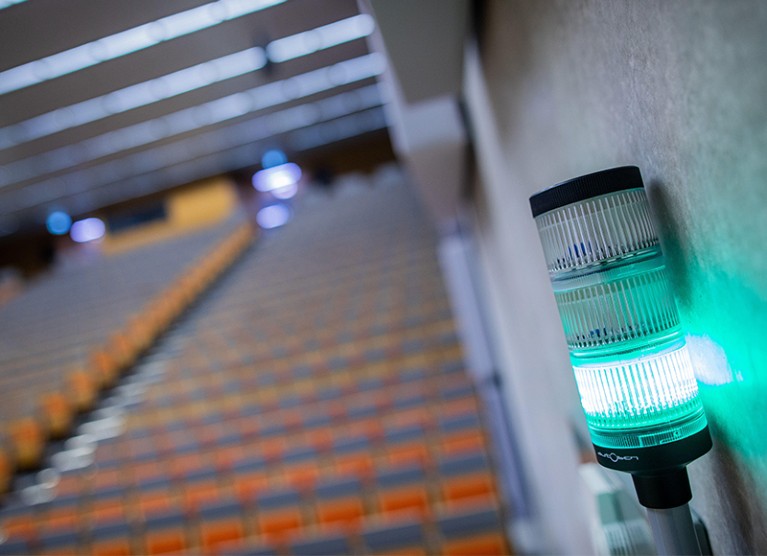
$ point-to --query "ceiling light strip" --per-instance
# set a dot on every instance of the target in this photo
(190, 119)
(128, 41)
(182, 81)
(320, 38)
(256, 129)
(236, 157)
(8, 3)
(134, 96)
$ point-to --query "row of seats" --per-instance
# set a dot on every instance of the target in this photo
(74, 332)
(474, 527)
(293, 498)
(314, 402)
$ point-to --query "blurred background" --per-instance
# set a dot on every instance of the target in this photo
(269, 281)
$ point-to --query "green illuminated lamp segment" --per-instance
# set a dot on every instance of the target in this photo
(640, 401)
(613, 293)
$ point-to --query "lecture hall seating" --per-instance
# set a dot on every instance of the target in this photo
(315, 401)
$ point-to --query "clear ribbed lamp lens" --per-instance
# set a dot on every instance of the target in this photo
(617, 309)
(630, 302)
(640, 401)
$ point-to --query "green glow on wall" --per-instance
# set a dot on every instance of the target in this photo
(733, 380)
(723, 306)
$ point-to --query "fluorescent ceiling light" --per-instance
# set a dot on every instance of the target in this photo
(184, 80)
(273, 216)
(333, 34)
(309, 116)
(191, 119)
(128, 41)
(90, 229)
(277, 177)
(336, 130)
(9, 3)
(134, 96)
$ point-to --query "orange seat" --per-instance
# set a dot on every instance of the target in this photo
(487, 544)
(410, 497)
(105, 367)
(110, 509)
(6, 472)
(272, 448)
(356, 464)
(161, 542)
(301, 476)
(277, 524)
(105, 478)
(248, 486)
(69, 484)
(111, 547)
(413, 452)
(82, 389)
(225, 457)
(466, 486)
(217, 532)
(57, 413)
(155, 502)
(465, 441)
(28, 441)
(20, 527)
(61, 518)
(199, 493)
(346, 512)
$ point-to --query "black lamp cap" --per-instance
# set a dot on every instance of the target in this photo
(586, 187)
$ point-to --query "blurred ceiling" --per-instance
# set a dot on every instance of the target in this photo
(104, 101)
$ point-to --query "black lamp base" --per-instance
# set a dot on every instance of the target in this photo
(663, 490)
(655, 458)
(659, 472)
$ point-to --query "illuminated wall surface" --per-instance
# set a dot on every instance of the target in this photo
(677, 88)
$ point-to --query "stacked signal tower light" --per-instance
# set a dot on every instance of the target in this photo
(626, 344)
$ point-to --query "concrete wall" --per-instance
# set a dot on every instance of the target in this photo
(561, 88)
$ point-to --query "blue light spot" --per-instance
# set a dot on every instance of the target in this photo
(273, 157)
(58, 223)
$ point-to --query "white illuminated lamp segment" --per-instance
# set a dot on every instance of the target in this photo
(277, 177)
(87, 230)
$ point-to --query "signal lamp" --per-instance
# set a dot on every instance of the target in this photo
(626, 344)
